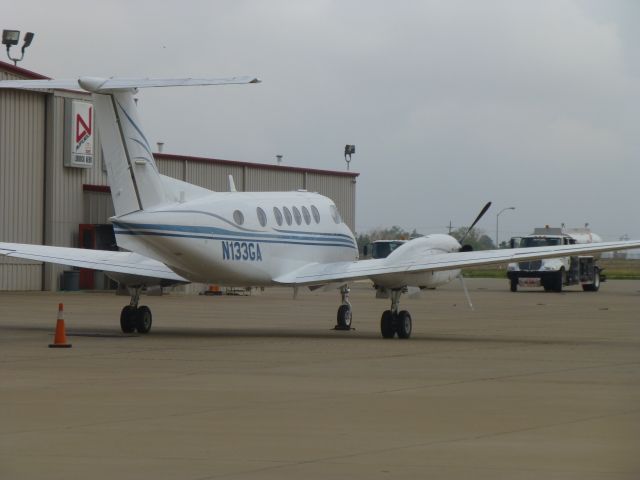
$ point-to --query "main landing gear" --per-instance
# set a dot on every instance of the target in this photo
(133, 317)
(393, 321)
(344, 312)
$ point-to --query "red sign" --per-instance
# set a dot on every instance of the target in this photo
(83, 129)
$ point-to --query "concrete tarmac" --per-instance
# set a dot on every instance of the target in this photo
(530, 385)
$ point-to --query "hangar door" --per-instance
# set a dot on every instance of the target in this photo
(22, 150)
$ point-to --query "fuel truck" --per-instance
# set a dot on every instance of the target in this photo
(553, 274)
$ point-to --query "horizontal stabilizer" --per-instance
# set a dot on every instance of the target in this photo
(104, 85)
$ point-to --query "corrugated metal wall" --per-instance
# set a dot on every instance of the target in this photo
(172, 168)
(64, 209)
(263, 180)
(22, 147)
(213, 176)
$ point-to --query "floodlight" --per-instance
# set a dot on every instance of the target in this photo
(10, 37)
(348, 151)
(28, 38)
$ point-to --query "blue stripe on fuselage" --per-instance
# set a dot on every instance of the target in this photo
(315, 237)
(236, 239)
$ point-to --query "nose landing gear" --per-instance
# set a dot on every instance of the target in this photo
(344, 312)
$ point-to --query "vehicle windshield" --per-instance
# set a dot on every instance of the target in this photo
(540, 242)
(383, 249)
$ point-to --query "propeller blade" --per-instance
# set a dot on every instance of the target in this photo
(480, 215)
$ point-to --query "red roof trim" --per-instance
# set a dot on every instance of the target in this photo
(21, 71)
(265, 166)
(96, 188)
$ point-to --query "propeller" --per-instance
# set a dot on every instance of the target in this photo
(467, 248)
(480, 215)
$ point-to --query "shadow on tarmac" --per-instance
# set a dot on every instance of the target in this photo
(354, 335)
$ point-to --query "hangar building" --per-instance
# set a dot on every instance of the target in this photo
(53, 194)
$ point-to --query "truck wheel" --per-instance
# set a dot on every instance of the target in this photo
(558, 280)
(595, 286)
(514, 284)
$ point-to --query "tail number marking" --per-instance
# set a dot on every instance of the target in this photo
(243, 251)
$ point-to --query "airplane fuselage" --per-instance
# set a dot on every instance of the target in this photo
(240, 238)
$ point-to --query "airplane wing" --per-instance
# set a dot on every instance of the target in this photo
(119, 262)
(318, 274)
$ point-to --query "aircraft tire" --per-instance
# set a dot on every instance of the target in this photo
(558, 280)
(143, 319)
(404, 324)
(344, 317)
(128, 319)
(387, 324)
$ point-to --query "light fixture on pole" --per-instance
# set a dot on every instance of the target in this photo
(497, 217)
(279, 159)
(11, 38)
(348, 151)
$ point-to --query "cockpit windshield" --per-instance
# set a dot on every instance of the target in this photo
(383, 249)
(540, 242)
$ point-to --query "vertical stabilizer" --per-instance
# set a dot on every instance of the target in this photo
(133, 175)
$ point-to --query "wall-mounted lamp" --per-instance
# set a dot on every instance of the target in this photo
(348, 151)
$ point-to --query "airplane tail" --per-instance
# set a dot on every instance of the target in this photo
(133, 175)
(132, 172)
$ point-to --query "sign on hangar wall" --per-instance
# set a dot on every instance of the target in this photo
(79, 134)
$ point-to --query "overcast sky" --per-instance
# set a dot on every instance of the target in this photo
(531, 104)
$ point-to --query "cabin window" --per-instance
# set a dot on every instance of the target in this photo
(278, 215)
(287, 215)
(297, 216)
(306, 215)
(262, 217)
(238, 217)
(335, 214)
(316, 213)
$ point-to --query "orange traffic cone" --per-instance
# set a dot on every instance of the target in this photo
(60, 340)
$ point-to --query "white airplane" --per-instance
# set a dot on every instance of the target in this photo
(176, 232)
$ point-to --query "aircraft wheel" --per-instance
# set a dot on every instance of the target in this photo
(143, 319)
(387, 324)
(128, 319)
(404, 324)
(344, 317)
